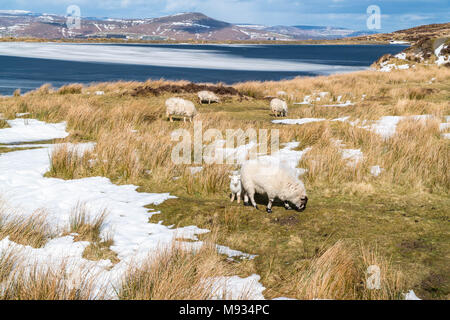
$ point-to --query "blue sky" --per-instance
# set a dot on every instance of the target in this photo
(395, 14)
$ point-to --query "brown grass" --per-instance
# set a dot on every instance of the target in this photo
(340, 272)
(176, 273)
(71, 89)
(3, 124)
(88, 227)
(33, 230)
(38, 282)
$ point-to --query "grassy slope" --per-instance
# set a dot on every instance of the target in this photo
(404, 216)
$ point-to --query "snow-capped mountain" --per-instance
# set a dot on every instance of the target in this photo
(182, 26)
(316, 32)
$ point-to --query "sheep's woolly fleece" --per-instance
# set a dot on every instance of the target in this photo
(26, 190)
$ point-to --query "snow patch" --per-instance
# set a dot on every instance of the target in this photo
(30, 130)
(411, 296)
(298, 121)
(346, 104)
(237, 288)
(376, 170)
(354, 156)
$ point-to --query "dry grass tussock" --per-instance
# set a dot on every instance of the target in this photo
(71, 89)
(86, 226)
(179, 273)
(33, 230)
(3, 124)
(341, 272)
(37, 282)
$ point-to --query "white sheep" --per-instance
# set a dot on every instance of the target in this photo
(275, 181)
(177, 107)
(279, 106)
(236, 187)
(207, 96)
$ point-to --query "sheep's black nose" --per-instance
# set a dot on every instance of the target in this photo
(305, 201)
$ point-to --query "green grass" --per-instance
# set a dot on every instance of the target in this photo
(6, 150)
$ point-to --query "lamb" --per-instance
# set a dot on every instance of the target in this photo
(180, 108)
(236, 187)
(279, 106)
(274, 180)
(207, 96)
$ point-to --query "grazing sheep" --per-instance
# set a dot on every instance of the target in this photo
(275, 181)
(236, 187)
(207, 96)
(279, 106)
(177, 107)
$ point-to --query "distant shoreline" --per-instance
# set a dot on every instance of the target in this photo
(243, 42)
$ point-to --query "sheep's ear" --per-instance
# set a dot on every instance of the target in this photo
(231, 177)
(239, 176)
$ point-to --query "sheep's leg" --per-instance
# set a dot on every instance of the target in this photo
(184, 119)
(170, 118)
(238, 196)
(269, 206)
(232, 197)
(252, 199)
(287, 206)
(246, 199)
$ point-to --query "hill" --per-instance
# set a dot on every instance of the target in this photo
(179, 27)
(411, 35)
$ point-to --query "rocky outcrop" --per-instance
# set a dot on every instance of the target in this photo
(425, 51)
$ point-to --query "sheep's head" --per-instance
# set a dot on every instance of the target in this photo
(299, 202)
(235, 179)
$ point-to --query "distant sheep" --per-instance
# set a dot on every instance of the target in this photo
(177, 107)
(279, 107)
(207, 96)
(236, 187)
(275, 181)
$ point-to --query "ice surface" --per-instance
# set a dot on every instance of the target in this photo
(157, 56)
